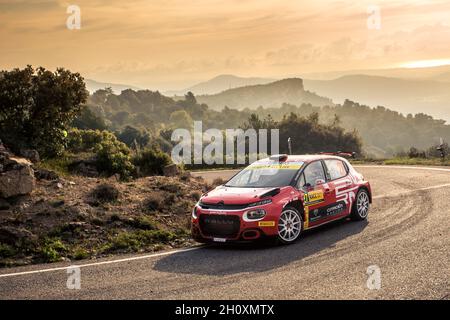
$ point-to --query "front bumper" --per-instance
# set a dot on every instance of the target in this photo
(229, 225)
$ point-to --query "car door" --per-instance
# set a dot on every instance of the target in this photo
(342, 185)
(318, 194)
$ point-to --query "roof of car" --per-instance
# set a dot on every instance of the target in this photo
(307, 157)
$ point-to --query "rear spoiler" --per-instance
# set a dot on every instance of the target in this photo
(340, 154)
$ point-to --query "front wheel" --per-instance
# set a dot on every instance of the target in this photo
(290, 225)
(360, 208)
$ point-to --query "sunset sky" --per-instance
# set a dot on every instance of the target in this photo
(170, 44)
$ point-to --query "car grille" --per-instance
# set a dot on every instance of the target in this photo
(214, 225)
(222, 206)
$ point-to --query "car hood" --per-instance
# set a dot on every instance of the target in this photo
(231, 195)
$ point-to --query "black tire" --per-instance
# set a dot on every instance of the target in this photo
(361, 206)
(289, 229)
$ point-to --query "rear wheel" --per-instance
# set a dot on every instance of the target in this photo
(360, 208)
(290, 225)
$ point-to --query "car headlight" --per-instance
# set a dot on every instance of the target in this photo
(260, 203)
(194, 212)
(255, 214)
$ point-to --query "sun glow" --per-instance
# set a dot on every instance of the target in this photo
(426, 63)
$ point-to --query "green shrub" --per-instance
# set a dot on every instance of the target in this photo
(6, 250)
(80, 253)
(140, 239)
(105, 193)
(113, 157)
(144, 223)
(52, 249)
(151, 161)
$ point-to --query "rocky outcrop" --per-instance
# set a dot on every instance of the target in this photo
(16, 175)
(85, 167)
(170, 170)
(31, 155)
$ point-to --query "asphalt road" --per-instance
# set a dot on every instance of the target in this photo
(407, 236)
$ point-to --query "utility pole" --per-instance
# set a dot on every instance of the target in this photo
(289, 145)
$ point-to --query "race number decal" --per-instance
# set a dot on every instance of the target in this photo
(313, 197)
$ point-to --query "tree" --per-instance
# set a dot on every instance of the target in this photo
(130, 135)
(88, 120)
(180, 119)
(38, 106)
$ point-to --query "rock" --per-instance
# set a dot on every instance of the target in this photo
(2, 147)
(44, 174)
(11, 235)
(87, 168)
(16, 176)
(170, 170)
(30, 154)
(59, 185)
(4, 205)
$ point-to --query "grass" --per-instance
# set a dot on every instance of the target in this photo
(140, 239)
(417, 161)
(52, 249)
(58, 165)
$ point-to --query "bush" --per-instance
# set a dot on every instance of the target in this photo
(112, 156)
(144, 223)
(52, 249)
(6, 250)
(106, 193)
(140, 239)
(80, 253)
(151, 161)
(153, 201)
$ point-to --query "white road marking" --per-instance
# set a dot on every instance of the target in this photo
(202, 246)
(102, 262)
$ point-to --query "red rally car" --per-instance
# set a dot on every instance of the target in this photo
(280, 197)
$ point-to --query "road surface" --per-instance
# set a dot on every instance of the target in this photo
(406, 236)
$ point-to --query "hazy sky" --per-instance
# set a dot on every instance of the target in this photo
(162, 44)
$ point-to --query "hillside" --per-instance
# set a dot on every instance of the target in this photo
(92, 86)
(220, 83)
(406, 96)
(267, 95)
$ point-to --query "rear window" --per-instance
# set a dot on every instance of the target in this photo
(336, 169)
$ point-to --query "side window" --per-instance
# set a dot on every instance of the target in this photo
(313, 172)
(336, 168)
(301, 181)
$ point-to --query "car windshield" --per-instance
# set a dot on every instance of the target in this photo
(265, 174)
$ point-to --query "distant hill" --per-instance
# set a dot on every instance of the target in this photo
(219, 84)
(428, 73)
(406, 96)
(445, 77)
(93, 86)
(271, 95)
